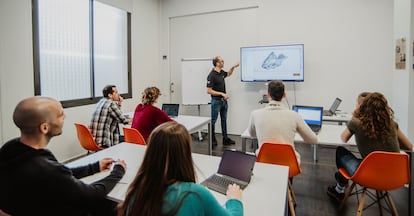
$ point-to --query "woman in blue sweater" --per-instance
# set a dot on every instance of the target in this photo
(165, 183)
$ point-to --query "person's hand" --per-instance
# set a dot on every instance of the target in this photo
(105, 164)
(236, 65)
(225, 96)
(234, 192)
(122, 163)
(120, 100)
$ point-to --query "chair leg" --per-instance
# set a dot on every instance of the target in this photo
(361, 203)
(379, 195)
(392, 205)
(292, 192)
(347, 195)
(291, 205)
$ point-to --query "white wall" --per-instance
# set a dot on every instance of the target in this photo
(403, 103)
(348, 46)
(16, 66)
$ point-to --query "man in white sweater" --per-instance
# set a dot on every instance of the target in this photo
(276, 123)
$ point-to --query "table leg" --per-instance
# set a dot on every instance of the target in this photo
(243, 144)
(315, 155)
(210, 139)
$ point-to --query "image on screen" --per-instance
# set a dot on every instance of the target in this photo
(311, 115)
(276, 62)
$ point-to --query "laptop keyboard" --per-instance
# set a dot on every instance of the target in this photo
(315, 128)
(327, 113)
(221, 181)
(220, 184)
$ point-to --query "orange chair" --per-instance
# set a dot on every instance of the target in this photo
(282, 154)
(132, 135)
(382, 172)
(86, 139)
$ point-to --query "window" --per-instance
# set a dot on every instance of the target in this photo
(79, 47)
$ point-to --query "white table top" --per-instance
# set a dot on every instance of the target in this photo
(339, 117)
(328, 135)
(265, 195)
(192, 123)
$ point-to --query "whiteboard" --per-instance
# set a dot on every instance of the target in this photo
(194, 74)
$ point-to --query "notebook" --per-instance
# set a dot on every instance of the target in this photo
(333, 108)
(235, 167)
(312, 116)
(171, 109)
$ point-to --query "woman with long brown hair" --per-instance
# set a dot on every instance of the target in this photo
(375, 130)
(165, 183)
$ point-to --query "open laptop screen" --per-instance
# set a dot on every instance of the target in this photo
(312, 115)
(237, 164)
(335, 105)
(171, 109)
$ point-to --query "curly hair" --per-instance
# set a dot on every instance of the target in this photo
(376, 116)
(150, 95)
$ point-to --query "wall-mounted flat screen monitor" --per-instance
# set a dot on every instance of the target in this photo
(276, 62)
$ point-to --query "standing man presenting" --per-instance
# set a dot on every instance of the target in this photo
(216, 87)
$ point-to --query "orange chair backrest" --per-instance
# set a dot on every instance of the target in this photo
(85, 138)
(132, 135)
(383, 171)
(281, 154)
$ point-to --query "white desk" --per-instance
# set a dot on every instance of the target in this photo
(340, 118)
(329, 135)
(192, 124)
(196, 123)
(265, 195)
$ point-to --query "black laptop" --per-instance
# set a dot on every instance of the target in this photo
(312, 116)
(170, 109)
(235, 167)
(333, 108)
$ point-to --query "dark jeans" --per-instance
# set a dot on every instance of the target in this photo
(219, 106)
(345, 159)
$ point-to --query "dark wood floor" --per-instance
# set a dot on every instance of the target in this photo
(310, 186)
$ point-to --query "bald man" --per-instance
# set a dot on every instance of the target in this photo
(33, 182)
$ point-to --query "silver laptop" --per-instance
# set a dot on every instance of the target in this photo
(312, 116)
(333, 108)
(170, 109)
(235, 167)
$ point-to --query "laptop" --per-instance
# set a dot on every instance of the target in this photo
(333, 108)
(235, 167)
(171, 109)
(312, 116)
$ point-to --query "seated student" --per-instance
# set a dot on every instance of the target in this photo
(375, 130)
(106, 118)
(360, 98)
(33, 182)
(165, 183)
(276, 123)
(146, 115)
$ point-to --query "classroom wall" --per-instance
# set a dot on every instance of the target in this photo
(403, 79)
(16, 67)
(348, 46)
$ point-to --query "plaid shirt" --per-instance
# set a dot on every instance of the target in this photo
(105, 121)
